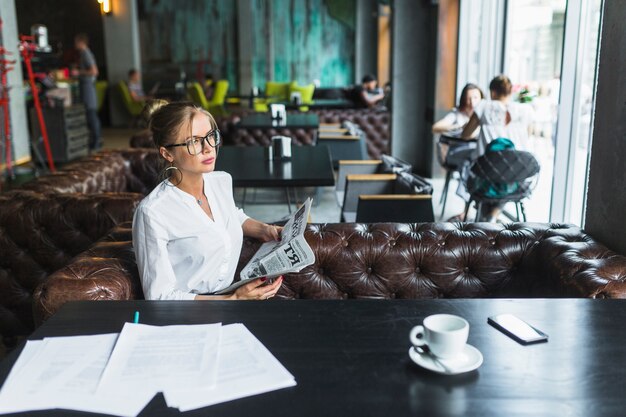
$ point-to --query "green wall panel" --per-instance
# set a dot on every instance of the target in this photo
(305, 42)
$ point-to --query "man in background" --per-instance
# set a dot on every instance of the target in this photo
(87, 74)
(368, 94)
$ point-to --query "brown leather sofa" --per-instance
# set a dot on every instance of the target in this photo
(48, 221)
(110, 171)
(374, 123)
(39, 234)
(386, 260)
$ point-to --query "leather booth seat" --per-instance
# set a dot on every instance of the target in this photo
(39, 234)
(113, 171)
(374, 124)
(386, 260)
(46, 222)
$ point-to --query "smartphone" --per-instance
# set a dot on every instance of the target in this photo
(517, 329)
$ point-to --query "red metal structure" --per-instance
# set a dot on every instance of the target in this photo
(5, 67)
(27, 50)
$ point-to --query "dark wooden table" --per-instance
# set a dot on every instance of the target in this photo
(293, 121)
(309, 166)
(350, 357)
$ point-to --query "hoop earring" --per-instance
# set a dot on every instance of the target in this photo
(164, 175)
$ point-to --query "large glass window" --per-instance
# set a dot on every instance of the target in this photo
(549, 49)
(584, 104)
(532, 60)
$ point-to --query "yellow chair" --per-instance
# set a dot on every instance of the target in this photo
(306, 93)
(101, 91)
(196, 94)
(275, 91)
(133, 107)
(216, 105)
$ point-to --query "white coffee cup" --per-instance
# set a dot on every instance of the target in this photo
(445, 335)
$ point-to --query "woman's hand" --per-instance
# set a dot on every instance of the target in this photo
(262, 231)
(270, 232)
(258, 290)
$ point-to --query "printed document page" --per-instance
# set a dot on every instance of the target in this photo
(63, 373)
(246, 368)
(158, 358)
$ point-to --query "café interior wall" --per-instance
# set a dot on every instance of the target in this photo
(300, 37)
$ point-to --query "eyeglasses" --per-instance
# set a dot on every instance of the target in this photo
(195, 144)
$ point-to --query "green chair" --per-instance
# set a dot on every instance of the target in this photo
(101, 91)
(196, 94)
(276, 92)
(306, 93)
(133, 107)
(216, 105)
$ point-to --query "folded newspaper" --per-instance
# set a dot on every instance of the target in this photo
(291, 254)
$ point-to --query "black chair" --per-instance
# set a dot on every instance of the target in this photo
(401, 197)
(453, 154)
(395, 208)
(500, 177)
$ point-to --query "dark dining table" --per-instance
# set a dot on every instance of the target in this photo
(350, 357)
(309, 166)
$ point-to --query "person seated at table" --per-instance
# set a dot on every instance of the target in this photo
(452, 123)
(135, 88)
(499, 117)
(209, 86)
(368, 94)
(188, 233)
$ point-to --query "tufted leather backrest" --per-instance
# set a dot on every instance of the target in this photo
(374, 123)
(388, 260)
(41, 233)
(263, 137)
(112, 171)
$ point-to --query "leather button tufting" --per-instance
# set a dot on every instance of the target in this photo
(320, 271)
(466, 269)
(344, 243)
(369, 270)
(417, 270)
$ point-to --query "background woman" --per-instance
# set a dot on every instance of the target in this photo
(499, 117)
(452, 123)
(188, 233)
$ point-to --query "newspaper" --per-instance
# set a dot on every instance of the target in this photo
(291, 254)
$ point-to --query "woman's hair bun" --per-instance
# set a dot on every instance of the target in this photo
(151, 107)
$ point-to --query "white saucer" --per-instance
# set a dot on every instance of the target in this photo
(468, 360)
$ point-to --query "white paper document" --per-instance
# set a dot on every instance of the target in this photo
(193, 365)
(245, 368)
(158, 358)
(63, 372)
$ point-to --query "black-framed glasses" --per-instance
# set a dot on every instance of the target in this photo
(195, 144)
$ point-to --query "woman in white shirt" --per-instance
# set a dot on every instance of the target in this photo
(452, 123)
(499, 117)
(188, 233)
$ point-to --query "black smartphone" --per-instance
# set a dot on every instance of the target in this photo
(517, 329)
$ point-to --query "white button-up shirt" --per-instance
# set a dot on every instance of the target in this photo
(180, 251)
